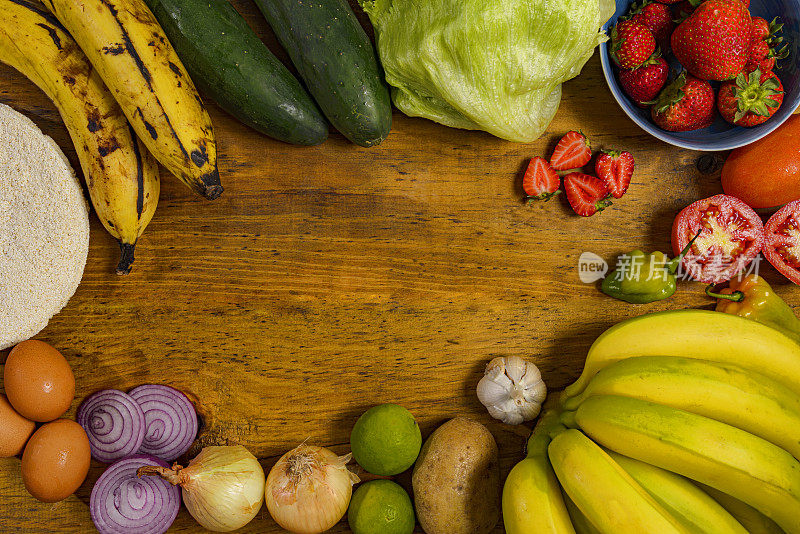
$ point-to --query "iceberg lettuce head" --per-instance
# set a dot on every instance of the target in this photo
(493, 65)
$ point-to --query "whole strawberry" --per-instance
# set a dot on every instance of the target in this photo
(714, 42)
(631, 44)
(685, 104)
(750, 99)
(766, 45)
(760, 29)
(760, 57)
(682, 10)
(644, 84)
(657, 18)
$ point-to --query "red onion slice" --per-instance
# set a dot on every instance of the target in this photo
(122, 503)
(170, 420)
(114, 423)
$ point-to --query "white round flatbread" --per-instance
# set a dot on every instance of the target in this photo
(44, 229)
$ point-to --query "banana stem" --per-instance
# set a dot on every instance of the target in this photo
(126, 258)
(568, 420)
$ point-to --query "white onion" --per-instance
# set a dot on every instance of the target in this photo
(309, 488)
(223, 487)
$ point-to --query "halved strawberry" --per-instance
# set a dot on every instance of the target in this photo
(615, 169)
(586, 194)
(572, 152)
(541, 181)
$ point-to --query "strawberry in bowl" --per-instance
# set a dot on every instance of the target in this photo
(714, 44)
(751, 99)
(645, 82)
(685, 104)
(656, 17)
(631, 44)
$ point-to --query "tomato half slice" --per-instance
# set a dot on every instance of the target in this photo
(782, 241)
(731, 236)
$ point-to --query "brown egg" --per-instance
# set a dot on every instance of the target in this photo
(56, 460)
(38, 381)
(14, 429)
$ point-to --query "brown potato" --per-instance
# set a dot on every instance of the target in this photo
(456, 480)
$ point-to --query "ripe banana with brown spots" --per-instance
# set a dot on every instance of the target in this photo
(129, 49)
(121, 175)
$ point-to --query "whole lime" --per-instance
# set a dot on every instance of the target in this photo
(386, 440)
(381, 507)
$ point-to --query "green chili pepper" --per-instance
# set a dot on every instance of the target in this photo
(644, 277)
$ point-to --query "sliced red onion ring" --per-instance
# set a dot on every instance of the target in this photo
(122, 503)
(170, 420)
(114, 423)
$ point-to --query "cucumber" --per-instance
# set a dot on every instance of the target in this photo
(337, 61)
(228, 62)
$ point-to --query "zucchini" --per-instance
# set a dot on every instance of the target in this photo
(228, 62)
(337, 61)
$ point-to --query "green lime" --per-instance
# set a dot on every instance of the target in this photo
(386, 440)
(381, 507)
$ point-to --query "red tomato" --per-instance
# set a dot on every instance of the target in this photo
(766, 173)
(731, 237)
(782, 241)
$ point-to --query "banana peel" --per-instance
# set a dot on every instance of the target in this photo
(532, 500)
(120, 174)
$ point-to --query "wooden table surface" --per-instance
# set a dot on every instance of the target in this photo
(329, 279)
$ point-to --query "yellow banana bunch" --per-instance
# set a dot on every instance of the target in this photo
(682, 421)
(727, 393)
(754, 521)
(700, 334)
(130, 51)
(684, 500)
(121, 175)
(579, 521)
(608, 497)
(731, 460)
(532, 500)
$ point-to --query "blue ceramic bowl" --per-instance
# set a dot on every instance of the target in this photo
(721, 135)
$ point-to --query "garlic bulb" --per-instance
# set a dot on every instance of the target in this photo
(512, 390)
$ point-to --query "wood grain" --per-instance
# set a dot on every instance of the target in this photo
(331, 278)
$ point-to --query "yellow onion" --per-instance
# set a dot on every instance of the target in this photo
(223, 487)
(309, 488)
